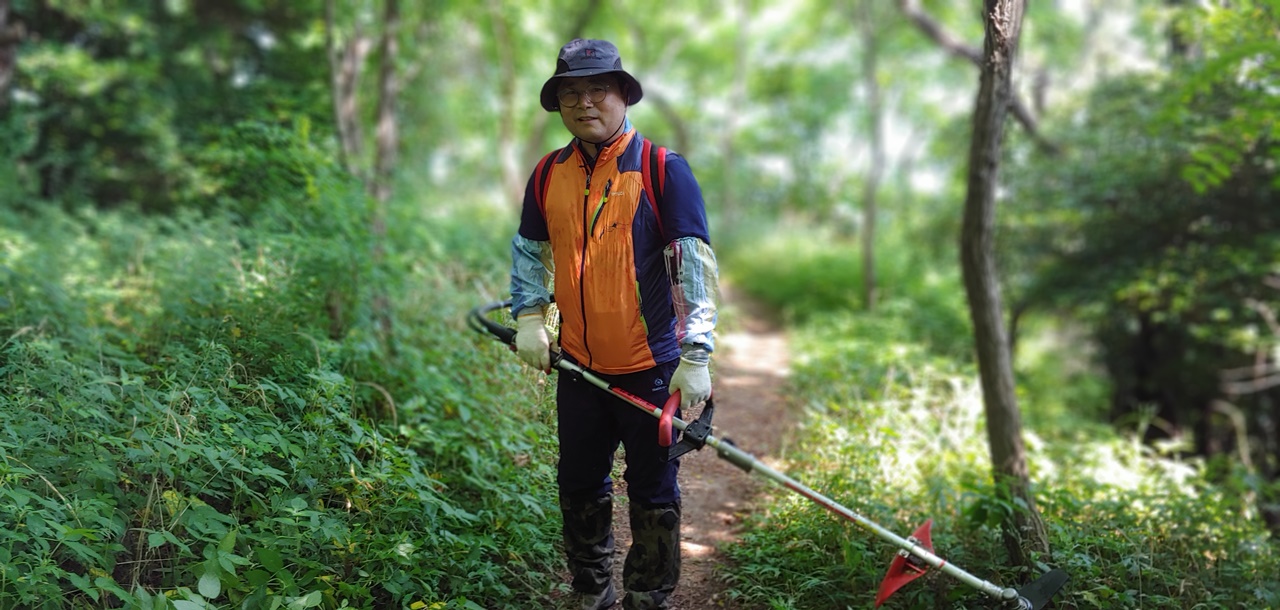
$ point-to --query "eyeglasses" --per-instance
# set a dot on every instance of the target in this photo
(570, 97)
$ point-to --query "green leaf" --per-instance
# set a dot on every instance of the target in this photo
(269, 558)
(258, 578)
(155, 539)
(228, 542)
(309, 600)
(106, 583)
(210, 586)
(82, 582)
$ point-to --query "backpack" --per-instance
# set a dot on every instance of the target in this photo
(651, 156)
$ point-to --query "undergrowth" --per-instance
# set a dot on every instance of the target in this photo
(892, 427)
(201, 412)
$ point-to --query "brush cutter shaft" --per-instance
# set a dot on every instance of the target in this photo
(739, 458)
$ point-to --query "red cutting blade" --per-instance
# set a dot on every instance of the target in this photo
(902, 571)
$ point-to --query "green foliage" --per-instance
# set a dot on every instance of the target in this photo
(892, 429)
(1169, 278)
(117, 102)
(186, 424)
(200, 412)
(1236, 77)
(101, 129)
(807, 272)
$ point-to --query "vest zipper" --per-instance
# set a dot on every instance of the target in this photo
(599, 208)
(582, 266)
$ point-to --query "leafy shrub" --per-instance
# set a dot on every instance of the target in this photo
(891, 431)
(182, 428)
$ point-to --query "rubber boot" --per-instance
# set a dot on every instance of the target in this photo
(588, 546)
(652, 568)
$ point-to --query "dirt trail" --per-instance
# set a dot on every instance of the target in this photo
(750, 368)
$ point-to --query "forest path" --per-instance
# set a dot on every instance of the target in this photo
(750, 369)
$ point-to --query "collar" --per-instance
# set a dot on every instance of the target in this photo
(611, 149)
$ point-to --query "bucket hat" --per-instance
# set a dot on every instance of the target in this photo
(586, 57)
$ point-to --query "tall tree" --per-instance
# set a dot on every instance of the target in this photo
(1024, 530)
(10, 35)
(387, 130)
(346, 63)
(875, 127)
(387, 143)
(504, 43)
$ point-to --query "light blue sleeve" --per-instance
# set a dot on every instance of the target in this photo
(530, 274)
(695, 290)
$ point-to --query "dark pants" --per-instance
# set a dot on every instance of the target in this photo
(592, 422)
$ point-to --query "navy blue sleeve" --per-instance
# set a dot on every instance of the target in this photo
(683, 212)
(533, 226)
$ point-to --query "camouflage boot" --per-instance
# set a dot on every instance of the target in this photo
(588, 546)
(652, 568)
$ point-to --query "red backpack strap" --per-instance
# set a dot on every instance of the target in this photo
(654, 159)
(542, 179)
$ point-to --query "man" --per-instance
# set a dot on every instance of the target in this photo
(635, 284)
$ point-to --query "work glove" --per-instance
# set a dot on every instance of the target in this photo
(692, 378)
(533, 341)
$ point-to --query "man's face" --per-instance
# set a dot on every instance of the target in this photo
(589, 120)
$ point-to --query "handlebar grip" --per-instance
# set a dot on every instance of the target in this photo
(665, 436)
(479, 321)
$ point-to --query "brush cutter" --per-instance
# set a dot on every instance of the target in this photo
(915, 555)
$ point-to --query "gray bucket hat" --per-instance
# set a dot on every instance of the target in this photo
(584, 57)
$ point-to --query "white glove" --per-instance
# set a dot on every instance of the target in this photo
(692, 378)
(533, 341)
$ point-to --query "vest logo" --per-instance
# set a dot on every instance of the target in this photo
(608, 231)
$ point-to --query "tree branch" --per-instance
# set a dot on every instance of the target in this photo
(954, 46)
(1251, 386)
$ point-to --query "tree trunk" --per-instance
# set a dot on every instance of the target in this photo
(1024, 531)
(346, 60)
(387, 138)
(875, 124)
(512, 181)
(346, 63)
(10, 35)
(387, 133)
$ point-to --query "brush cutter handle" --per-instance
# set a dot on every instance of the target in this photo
(696, 432)
(479, 320)
(665, 436)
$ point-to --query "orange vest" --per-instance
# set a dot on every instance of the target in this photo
(592, 222)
